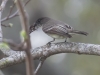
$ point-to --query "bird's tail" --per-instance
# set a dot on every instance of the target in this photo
(80, 32)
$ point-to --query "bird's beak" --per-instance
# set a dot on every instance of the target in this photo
(32, 28)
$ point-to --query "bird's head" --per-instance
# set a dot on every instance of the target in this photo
(39, 22)
(42, 20)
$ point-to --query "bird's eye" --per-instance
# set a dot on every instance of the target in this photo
(39, 21)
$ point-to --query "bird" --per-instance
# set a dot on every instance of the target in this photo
(55, 28)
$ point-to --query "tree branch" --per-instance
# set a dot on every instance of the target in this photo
(6, 25)
(1, 10)
(39, 66)
(25, 24)
(11, 8)
(45, 51)
(14, 14)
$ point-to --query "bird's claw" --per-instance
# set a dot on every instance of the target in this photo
(48, 44)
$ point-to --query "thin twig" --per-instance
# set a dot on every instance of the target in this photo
(11, 16)
(6, 25)
(14, 14)
(27, 2)
(11, 8)
(39, 66)
(13, 45)
(25, 23)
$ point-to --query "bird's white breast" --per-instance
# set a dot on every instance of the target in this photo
(56, 36)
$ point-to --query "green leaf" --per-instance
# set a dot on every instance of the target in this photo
(23, 34)
(10, 24)
(4, 45)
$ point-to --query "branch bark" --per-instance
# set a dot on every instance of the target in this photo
(16, 57)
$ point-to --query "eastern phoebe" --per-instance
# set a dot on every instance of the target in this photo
(54, 28)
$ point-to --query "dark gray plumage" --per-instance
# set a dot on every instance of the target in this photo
(54, 28)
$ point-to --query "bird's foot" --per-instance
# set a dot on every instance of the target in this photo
(48, 44)
(65, 41)
(78, 52)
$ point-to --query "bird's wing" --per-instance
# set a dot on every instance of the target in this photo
(56, 29)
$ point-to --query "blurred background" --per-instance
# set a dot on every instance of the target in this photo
(80, 14)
